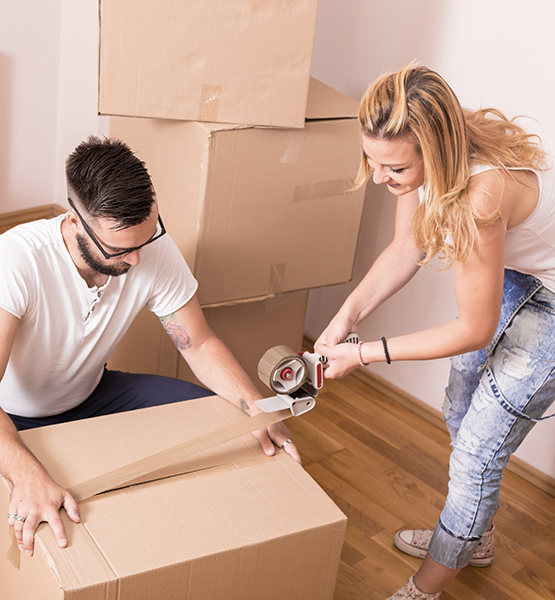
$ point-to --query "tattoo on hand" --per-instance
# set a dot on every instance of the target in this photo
(177, 333)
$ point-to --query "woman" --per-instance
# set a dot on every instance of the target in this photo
(471, 190)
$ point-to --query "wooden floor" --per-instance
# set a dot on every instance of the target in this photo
(386, 468)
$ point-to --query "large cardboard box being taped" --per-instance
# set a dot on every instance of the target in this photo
(248, 329)
(230, 62)
(235, 524)
(258, 211)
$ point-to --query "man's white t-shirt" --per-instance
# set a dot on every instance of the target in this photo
(67, 330)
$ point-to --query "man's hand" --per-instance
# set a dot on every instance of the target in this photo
(276, 434)
(35, 500)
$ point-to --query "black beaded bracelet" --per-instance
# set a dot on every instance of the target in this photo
(385, 351)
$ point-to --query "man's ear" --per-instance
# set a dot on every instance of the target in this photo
(73, 220)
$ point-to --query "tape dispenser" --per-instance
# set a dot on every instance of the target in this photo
(294, 377)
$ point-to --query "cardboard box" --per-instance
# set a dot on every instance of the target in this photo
(235, 524)
(258, 211)
(230, 62)
(248, 329)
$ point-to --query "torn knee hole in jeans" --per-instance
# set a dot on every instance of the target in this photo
(516, 363)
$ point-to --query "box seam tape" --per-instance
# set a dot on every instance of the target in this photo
(141, 467)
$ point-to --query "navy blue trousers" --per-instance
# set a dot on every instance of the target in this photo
(120, 392)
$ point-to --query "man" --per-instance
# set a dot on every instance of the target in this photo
(69, 289)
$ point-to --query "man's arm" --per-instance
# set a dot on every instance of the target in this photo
(217, 368)
(35, 496)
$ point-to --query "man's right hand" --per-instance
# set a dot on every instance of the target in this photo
(36, 499)
(35, 496)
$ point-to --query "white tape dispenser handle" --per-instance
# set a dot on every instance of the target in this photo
(296, 378)
(297, 406)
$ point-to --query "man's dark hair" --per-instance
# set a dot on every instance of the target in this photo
(109, 181)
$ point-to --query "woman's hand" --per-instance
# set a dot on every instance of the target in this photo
(342, 359)
(335, 333)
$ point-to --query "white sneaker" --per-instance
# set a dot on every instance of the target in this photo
(410, 592)
(415, 542)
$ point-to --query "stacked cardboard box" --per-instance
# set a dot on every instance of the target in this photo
(258, 211)
(225, 61)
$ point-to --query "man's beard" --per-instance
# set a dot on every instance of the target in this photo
(113, 270)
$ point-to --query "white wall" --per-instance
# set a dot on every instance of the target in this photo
(48, 89)
(29, 55)
(76, 115)
(492, 53)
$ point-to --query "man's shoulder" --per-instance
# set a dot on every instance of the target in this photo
(32, 234)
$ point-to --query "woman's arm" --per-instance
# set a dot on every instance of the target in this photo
(393, 269)
(479, 293)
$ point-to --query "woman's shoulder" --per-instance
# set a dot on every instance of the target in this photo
(485, 179)
(477, 168)
(514, 194)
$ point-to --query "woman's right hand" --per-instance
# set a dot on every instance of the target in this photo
(335, 333)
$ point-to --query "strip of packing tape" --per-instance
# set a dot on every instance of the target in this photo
(321, 189)
(209, 102)
(122, 475)
(276, 282)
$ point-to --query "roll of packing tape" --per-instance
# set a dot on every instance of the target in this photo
(282, 370)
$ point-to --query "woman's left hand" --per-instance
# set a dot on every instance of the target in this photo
(342, 359)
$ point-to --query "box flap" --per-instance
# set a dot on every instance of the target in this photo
(210, 510)
(325, 102)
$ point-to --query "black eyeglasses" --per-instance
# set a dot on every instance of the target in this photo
(161, 230)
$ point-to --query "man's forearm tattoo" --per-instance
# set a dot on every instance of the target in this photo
(177, 333)
(245, 406)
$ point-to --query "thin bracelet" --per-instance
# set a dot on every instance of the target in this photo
(360, 360)
(385, 351)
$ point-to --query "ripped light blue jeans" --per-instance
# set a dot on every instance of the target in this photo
(494, 398)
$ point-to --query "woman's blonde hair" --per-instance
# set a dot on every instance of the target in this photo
(417, 101)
